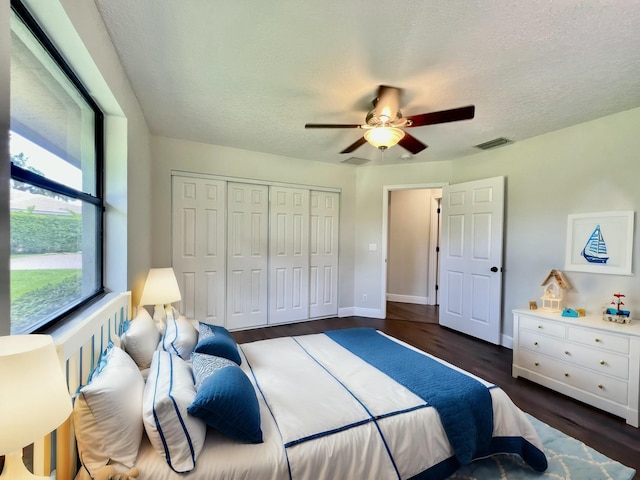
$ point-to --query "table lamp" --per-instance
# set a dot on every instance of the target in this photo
(160, 289)
(34, 399)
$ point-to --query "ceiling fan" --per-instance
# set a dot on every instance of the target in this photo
(384, 123)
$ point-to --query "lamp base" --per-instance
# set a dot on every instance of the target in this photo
(14, 469)
(160, 317)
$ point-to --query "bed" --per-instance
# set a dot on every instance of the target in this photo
(352, 403)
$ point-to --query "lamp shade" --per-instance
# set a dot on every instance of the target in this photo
(384, 137)
(34, 399)
(160, 288)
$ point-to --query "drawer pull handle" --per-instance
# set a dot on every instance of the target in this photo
(536, 364)
(566, 374)
(566, 352)
(535, 343)
(539, 326)
(597, 340)
(602, 362)
(600, 386)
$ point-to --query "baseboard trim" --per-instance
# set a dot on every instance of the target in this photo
(346, 312)
(393, 297)
(368, 312)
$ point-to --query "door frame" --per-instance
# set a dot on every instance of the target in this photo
(433, 277)
(386, 192)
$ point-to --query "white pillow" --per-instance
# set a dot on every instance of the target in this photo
(175, 435)
(141, 338)
(180, 336)
(107, 413)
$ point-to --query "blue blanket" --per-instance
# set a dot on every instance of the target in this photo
(463, 404)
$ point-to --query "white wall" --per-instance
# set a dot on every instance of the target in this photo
(171, 154)
(585, 168)
(408, 245)
(5, 169)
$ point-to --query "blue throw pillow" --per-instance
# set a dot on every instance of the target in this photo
(203, 366)
(216, 340)
(227, 402)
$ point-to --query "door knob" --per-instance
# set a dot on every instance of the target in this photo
(494, 269)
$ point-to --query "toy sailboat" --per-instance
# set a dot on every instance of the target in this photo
(595, 250)
(618, 303)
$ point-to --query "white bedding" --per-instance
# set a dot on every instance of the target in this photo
(324, 398)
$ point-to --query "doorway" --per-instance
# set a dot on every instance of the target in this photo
(411, 235)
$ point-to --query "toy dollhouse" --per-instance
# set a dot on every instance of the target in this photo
(554, 286)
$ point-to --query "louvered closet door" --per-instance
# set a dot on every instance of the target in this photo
(323, 254)
(198, 250)
(247, 254)
(288, 254)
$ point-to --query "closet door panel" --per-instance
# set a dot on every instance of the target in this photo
(247, 255)
(198, 246)
(288, 255)
(323, 255)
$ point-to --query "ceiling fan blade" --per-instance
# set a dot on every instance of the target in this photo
(388, 103)
(361, 141)
(333, 125)
(412, 144)
(443, 116)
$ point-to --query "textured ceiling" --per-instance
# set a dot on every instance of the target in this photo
(250, 73)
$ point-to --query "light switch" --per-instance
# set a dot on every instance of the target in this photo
(373, 247)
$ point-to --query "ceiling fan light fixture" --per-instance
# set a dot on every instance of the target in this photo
(384, 137)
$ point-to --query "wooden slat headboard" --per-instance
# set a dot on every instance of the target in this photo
(79, 345)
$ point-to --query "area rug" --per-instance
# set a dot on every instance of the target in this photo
(569, 459)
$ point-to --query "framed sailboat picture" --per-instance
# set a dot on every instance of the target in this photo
(600, 243)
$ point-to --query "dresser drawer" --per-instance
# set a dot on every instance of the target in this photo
(600, 385)
(601, 340)
(541, 344)
(542, 326)
(598, 360)
(583, 379)
(536, 363)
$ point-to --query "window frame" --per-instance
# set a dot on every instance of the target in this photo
(26, 176)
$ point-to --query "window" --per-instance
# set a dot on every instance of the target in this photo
(56, 143)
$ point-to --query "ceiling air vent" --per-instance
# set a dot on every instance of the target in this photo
(495, 143)
(355, 160)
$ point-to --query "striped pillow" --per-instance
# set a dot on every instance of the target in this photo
(180, 336)
(175, 435)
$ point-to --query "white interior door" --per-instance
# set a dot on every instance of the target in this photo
(288, 254)
(247, 254)
(198, 246)
(323, 254)
(471, 258)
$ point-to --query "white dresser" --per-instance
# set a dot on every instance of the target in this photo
(586, 358)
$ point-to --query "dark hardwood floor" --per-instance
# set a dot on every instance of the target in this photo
(418, 326)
